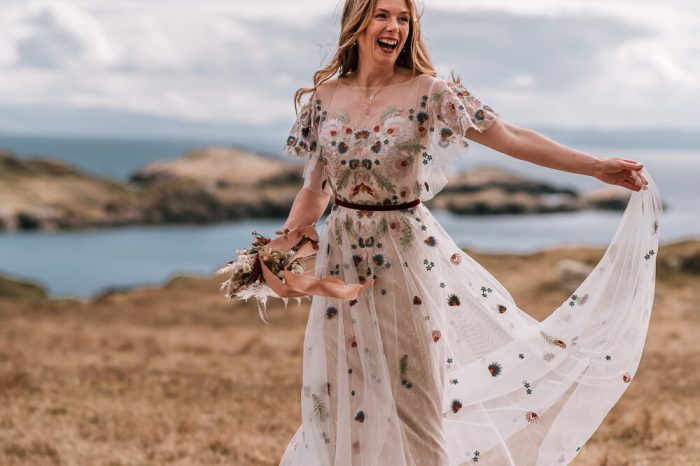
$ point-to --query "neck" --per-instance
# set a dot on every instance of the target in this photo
(370, 77)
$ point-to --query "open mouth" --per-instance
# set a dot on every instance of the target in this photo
(387, 45)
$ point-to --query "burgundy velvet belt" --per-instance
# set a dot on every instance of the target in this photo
(350, 205)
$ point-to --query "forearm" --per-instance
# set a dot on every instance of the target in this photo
(307, 208)
(531, 146)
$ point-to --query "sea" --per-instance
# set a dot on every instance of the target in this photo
(83, 264)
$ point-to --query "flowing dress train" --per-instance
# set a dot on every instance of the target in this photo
(434, 364)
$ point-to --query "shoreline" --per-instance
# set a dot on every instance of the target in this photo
(563, 250)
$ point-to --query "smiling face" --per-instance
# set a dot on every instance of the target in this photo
(381, 43)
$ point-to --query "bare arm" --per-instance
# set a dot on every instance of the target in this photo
(531, 146)
(307, 208)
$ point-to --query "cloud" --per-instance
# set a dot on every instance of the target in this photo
(616, 63)
(60, 35)
(505, 50)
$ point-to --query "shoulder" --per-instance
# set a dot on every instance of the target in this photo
(325, 90)
(436, 84)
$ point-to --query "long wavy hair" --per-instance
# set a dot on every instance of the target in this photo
(357, 15)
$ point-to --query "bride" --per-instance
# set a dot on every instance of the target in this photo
(433, 363)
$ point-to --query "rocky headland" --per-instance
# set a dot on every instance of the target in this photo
(226, 184)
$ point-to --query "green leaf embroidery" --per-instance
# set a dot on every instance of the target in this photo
(341, 116)
(383, 227)
(406, 233)
(343, 180)
(389, 112)
(437, 98)
(403, 365)
(383, 182)
(349, 226)
(320, 410)
(412, 146)
(338, 233)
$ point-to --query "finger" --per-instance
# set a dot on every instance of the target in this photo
(637, 179)
(628, 185)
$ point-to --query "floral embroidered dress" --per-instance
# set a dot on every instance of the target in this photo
(435, 364)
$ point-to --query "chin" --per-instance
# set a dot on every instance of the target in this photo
(385, 60)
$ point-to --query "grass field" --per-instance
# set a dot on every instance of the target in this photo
(176, 375)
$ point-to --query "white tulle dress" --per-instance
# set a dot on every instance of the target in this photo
(434, 364)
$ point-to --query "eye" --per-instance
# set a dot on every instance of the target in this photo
(404, 19)
(381, 15)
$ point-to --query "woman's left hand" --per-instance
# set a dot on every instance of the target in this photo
(621, 172)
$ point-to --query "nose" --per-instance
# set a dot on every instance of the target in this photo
(392, 25)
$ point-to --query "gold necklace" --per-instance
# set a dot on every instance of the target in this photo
(369, 97)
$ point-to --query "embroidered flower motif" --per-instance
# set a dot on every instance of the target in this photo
(532, 417)
(352, 341)
(395, 228)
(456, 405)
(417, 300)
(436, 335)
(453, 300)
(456, 258)
(495, 369)
(360, 416)
(446, 133)
(362, 134)
(378, 260)
(626, 377)
(331, 312)
(400, 166)
(502, 309)
(430, 241)
(553, 341)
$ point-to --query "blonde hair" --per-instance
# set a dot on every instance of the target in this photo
(357, 15)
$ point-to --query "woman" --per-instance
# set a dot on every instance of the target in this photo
(433, 363)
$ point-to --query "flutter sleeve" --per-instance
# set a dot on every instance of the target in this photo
(303, 143)
(452, 110)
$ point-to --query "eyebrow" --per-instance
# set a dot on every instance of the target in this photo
(387, 11)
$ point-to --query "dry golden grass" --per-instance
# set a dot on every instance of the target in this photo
(176, 375)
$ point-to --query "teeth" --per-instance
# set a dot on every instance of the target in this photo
(389, 42)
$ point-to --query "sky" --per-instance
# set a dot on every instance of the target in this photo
(618, 64)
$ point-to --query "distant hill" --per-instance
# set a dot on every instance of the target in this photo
(97, 122)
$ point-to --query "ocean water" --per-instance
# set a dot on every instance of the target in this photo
(86, 263)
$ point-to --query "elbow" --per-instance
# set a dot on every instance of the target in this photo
(514, 140)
